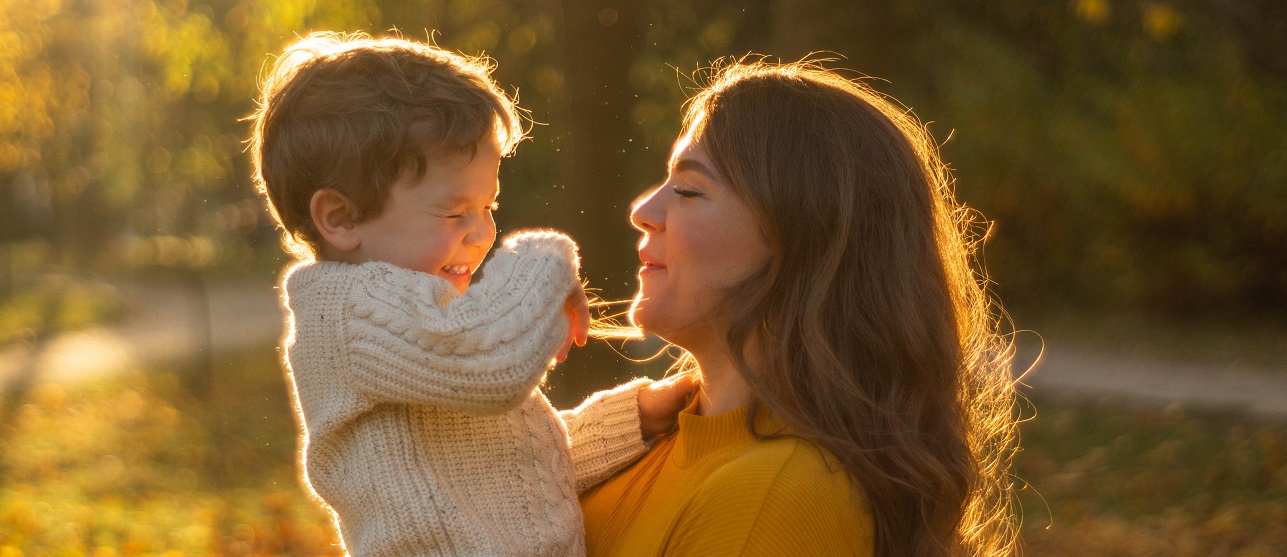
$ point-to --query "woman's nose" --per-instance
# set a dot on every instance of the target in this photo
(646, 214)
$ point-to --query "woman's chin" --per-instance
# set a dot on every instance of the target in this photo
(667, 327)
(647, 315)
(639, 315)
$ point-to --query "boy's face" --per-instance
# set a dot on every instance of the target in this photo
(440, 224)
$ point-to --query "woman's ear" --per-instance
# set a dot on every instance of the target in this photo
(335, 217)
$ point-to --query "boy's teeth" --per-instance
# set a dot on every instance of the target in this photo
(456, 269)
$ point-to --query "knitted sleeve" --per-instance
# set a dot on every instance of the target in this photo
(603, 433)
(481, 353)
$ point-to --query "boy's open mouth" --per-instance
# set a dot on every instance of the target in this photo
(456, 269)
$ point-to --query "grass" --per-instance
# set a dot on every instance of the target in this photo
(1127, 479)
(140, 465)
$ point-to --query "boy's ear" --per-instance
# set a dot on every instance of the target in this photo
(334, 216)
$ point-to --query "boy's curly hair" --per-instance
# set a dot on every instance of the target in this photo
(353, 113)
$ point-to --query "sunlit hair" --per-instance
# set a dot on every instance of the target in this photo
(870, 329)
(353, 113)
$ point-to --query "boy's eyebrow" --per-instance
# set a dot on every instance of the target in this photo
(464, 200)
(693, 165)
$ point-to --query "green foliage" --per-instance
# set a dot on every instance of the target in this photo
(126, 112)
(1128, 157)
(1129, 153)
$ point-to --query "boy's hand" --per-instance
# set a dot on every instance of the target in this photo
(577, 309)
(660, 403)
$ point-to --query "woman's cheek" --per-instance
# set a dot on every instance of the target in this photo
(722, 265)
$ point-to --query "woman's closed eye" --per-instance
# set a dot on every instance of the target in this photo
(685, 192)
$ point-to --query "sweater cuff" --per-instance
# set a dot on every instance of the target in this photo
(604, 433)
(545, 243)
(534, 269)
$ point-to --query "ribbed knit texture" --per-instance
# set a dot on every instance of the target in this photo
(424, 429)
(711, 489)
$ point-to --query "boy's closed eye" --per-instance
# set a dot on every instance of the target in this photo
(461, 212)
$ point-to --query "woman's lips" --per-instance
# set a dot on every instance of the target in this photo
(649, 264)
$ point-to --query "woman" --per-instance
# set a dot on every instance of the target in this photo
(807, 254)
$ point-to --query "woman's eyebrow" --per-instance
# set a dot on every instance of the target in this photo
(693, 165)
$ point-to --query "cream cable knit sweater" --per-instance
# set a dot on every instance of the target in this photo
(425, 431)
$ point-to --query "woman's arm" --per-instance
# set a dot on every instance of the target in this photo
(482, 352)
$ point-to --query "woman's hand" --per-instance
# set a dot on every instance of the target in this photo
(577, 309)
(660, 403)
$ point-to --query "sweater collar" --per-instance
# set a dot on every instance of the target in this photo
(701, 436)
(306, 274)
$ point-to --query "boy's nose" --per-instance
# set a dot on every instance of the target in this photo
(483, 234)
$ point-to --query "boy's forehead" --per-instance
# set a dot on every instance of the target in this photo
(461, 178)
(453, 194)
(458, 158)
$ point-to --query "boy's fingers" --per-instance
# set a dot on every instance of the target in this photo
(563, 350)
(583, 326)
(577, 310)
(682, 383)
(681, 387)
(581, 316)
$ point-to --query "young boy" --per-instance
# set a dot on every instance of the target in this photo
(423, 426)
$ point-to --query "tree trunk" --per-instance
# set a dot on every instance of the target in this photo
(600, 40)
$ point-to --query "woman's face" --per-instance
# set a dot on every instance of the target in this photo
(699, 239)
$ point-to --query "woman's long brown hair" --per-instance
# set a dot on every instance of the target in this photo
(871, 330)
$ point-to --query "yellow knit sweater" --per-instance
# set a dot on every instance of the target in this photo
(711, 489)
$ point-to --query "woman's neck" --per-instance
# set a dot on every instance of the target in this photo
(723, 388)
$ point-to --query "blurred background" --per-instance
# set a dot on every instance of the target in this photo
(1129, 154)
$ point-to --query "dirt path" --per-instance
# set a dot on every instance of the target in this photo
(168, 324)
(165, 323)
(1079, 369)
